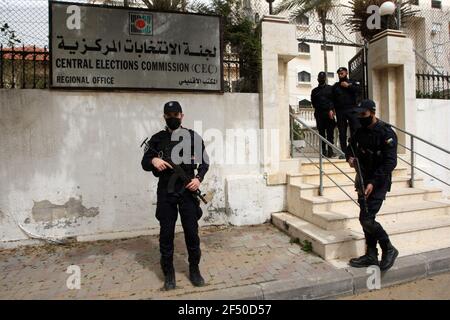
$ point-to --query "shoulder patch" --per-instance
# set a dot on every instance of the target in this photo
(390, 142)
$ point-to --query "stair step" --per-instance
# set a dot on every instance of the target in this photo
(388, 214)
(338, 244)
(335, 198)
(313, 176)
(307, 165)
(312, 189)
(337, 202)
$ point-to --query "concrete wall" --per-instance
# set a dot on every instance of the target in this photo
(433, 124)
(70, 162)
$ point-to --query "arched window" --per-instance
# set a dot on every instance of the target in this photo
(304, 76)
(303, 47)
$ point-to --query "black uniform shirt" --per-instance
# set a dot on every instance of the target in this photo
(322, 98)
(161, 141)
(345, 98)
(376, 149)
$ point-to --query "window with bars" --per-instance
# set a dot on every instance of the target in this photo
(303, 47)
(436, 4)
(304, 76)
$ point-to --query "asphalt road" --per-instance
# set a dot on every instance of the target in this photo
(434, 288)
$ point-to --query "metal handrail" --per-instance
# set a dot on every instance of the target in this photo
(317, 134)
(337, 185)
(320, 167)
(419, 138)
(413, 153)
(423, 171)
(411, 164)
(425, 157)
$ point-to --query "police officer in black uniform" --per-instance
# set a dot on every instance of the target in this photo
(321, 99)
(172, 194)
(375, 145)
(345, 94)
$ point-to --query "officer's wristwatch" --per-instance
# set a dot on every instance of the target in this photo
(199, 178)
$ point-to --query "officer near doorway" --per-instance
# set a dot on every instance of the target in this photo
(374, 144)
(322, 102)
(173, 194)
(345, 94)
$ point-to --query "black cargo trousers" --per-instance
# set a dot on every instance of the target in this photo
(373, 231)
(167, 207)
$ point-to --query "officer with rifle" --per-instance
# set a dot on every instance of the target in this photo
(372, 151)
(173, 155)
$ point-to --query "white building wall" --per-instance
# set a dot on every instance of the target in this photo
(70, 162)
(433, 124)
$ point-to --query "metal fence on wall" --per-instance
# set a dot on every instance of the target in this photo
(24, 49)
(429, 30)
(432, 86)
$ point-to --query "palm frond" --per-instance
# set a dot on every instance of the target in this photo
(357, 20)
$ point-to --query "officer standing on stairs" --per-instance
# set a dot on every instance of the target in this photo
(321, 99)
(345, 95)
(375, 146)
(172, 194)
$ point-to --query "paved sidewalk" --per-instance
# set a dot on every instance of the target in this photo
(233, 257)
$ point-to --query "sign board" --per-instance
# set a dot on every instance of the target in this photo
(105, 47)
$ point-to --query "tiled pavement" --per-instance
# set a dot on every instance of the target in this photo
(129, 269)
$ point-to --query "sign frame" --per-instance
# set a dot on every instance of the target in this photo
(116, 89)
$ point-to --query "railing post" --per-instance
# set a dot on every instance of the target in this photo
(320, 169)
(291, 124)
(411, 182)
(23, 66)
(1, 66)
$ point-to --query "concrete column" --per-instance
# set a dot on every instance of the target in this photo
(392, 80)
(278, 40)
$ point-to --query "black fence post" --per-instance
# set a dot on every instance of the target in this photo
(1, 66)
(34, 67)
(45, 61)
(23, 66)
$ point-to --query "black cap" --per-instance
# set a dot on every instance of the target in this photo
(172, 106)
(365, 105)
(341, 69)
(322, 75)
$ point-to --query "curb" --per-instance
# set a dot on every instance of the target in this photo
(347, 281)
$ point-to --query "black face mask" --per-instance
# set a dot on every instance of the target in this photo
(366, 121)
(173, 123)
(321, 82)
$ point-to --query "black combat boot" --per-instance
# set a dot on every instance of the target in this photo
(195, 276)
(388, 256)
(369, 259)
(169, 274)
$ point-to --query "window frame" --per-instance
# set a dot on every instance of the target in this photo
(303, 81)
(436, 2)
(306, 45)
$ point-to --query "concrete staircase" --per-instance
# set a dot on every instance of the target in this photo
(417, 219)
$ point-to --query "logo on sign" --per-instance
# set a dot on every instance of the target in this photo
(141, 24)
